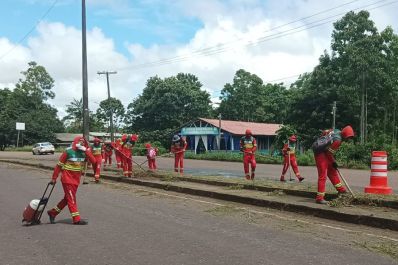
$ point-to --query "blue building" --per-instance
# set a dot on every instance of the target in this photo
(213, 134)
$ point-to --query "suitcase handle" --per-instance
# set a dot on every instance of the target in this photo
(43, 201)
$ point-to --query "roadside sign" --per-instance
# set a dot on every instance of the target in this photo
(20, 126)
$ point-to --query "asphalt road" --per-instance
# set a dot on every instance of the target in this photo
(131, 225)
(357, 179)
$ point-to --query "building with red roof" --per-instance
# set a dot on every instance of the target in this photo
(216, 134)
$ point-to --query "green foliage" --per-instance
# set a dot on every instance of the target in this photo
(112, 106)
(27, 104)
(282, 135)
(362, 67)
(168, 103)
(248, 99)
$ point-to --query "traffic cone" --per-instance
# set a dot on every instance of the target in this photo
(378, 174)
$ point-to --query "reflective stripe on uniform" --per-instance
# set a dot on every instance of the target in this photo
(57, 209)
(338, 185)
(72, 167)
(75, 214)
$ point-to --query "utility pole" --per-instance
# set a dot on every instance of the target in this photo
(219, 131)
(334, 115)
(362, 123)
(107, 73)
(86, 118)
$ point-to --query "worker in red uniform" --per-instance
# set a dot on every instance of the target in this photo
(248, 146)
(178, 147)
(70, 164)
(107, 154)
(289, 158)
(324, 149)
(128, 142)
(96, 149)
(117, 146)
(151, 153)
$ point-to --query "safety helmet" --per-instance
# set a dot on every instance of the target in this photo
(77, 140)
(97, 140)
(124, 138)
(347, 132)
(134, 138)
(147, 145)
(248, 132)
(176, 138)
(293, 138)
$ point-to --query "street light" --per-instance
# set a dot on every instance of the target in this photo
(107, 73)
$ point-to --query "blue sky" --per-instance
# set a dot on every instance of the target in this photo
(145, 22)
(133, 36)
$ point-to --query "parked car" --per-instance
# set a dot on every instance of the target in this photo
(43, 148)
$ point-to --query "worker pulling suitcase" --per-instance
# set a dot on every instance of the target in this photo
(33, 212)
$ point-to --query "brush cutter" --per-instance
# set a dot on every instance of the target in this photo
(85, 173)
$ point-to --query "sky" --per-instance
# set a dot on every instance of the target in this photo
(275, 39)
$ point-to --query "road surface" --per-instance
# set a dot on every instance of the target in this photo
(135, 225)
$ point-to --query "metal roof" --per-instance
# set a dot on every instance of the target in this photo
(68, 137)
(239, 127)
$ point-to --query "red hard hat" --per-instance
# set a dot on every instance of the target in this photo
(96, 140)
(347, 132)
(248, 132)
(124, 138)
(293, 138)
(147, 145)
(134, 138)
(76, 140)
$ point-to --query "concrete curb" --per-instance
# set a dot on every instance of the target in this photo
(367, 220)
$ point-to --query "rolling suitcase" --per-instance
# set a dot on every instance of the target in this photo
(33, 212)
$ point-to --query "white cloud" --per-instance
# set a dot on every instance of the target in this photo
(58, 47)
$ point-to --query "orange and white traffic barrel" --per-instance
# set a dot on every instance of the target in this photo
(378, 174)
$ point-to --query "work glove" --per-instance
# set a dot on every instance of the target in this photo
(335, 166)
(288, 149)
(81, 147)
(52, 182)
(103, 160)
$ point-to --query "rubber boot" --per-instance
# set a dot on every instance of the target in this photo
(81, 222)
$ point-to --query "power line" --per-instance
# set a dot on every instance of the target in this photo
(30, 31)
(219, 48)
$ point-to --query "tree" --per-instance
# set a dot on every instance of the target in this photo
(109, 106)
(248, 99)
(27, 103)
(359, 74)
(168, 103)
(73, 121)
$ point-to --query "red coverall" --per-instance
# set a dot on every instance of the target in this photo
(118, 147)
(289, 150)
(107, 154)
(151, 156)
(178, 148)
(70, 164)
(128, 143)
(248, 146)
(324, 163)
(96, 149)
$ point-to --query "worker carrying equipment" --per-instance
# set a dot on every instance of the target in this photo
(70, 166)
(289, 159)
(248, 146)
(324, 149)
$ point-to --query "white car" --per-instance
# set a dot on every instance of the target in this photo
(43, 148)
